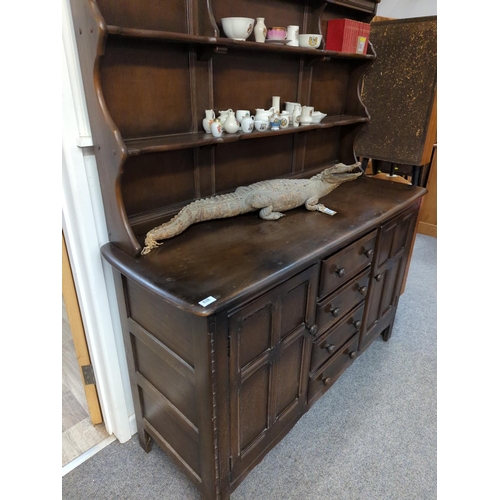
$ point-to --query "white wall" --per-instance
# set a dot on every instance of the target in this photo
(85, 232)
(402, 9)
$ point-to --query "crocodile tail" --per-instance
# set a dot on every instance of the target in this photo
(218, 207)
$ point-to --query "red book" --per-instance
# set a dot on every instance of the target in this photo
(341, 35)
(362, 38)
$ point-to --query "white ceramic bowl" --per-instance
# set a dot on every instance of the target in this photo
(317, 116)
(237, 28)
(311, 41)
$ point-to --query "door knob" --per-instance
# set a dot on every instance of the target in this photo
(341, 272)
(330, 348)
(335, 311)
(313, 329)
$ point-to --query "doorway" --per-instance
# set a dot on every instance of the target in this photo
(82, 424)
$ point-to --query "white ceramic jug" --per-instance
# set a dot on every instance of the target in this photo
(223, 115)
(247, 124)
(207, 121)
(230, 124)
(263, 114)
(306, 115)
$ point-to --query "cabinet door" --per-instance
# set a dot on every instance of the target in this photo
(391, 256)
(270, 350)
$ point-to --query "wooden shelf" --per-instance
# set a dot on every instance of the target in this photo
(228, 43)
(197, 139)
(361, 5)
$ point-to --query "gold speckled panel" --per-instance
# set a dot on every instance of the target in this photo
(398, 90)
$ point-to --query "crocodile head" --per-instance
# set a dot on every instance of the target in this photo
(340, 173)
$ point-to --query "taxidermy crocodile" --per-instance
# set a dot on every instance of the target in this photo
(270, 197)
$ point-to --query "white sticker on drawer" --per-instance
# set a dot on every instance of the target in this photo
(207, 301)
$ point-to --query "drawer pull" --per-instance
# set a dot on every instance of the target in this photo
(363, 290)
(369, 253)
(329, 347)
(341, 272)
(313, 329)
(353, 354)
(378, 277)
(335, 311)
(357, 324)
(327, 381)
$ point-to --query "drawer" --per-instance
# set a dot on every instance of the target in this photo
(333, 340)
(331, 310)
(321, 382)
(342, 266)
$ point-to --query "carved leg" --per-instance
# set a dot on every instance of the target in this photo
(267, 213)
(386, 334)
(145, 440)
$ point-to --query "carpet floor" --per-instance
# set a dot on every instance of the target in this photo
(372, 436)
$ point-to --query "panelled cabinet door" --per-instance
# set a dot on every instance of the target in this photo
(270, 350)
(390, 260)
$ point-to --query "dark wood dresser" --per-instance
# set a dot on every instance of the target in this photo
(234, 328)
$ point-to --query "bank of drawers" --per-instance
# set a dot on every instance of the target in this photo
(344, 282)
(344, 265)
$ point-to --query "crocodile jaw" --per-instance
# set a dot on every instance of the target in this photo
(341, 173)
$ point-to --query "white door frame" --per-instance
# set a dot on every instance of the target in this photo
(84, 227)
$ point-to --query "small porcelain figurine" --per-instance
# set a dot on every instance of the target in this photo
(260, 30)
(207, 121)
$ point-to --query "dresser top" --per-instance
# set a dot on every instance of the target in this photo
(232, 259)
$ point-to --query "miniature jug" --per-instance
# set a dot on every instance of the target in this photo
(230, 124)
(207, 121)
(262, 114)
(247, 124)
(223, 115)
(306, 115)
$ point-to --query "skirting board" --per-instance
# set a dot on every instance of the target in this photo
(428, 229)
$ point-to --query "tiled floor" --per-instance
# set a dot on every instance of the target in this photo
(78, 433)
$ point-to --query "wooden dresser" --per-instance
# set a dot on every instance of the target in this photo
(234, 328)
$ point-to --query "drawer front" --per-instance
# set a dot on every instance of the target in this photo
(328, 345)
(331, 310)
(320, 383)
(344, 265)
